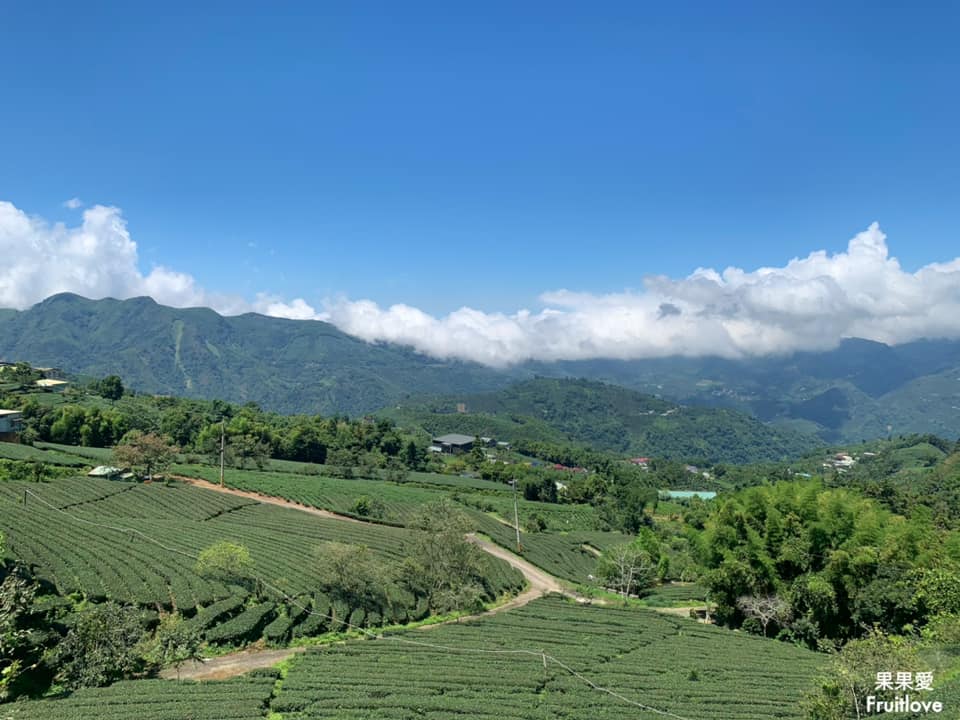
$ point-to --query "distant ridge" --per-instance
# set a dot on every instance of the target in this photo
(860, 390)
(283, 365)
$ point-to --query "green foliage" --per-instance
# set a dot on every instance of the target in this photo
(110, 387)
(100, 647)
(175, 641)
(368, 507)
(145, 453)
(226, 562)
(839, 560)
(606, 417)
(19, 648)
(441, 564)
(353, 574)
(851, 676)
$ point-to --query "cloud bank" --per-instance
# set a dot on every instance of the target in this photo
(810, 303)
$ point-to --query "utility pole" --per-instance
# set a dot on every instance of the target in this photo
(516, 515)
(222, 442)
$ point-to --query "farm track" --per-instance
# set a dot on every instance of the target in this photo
(268, 499)
(232, 665)
(539, 583)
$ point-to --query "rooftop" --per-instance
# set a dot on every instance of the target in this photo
(454, 439)
(47, 382)
(9, 412)
(105, 471)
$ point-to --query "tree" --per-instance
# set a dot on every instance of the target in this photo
(366, 506)
(101, 647)
(23, 375)
(111, 387)
(227, 562)
(851, 676)
(175, 642)
(765, 609)
(395, 471)
(478, 455)
(440, 560)
(535, 523)
(18, 651)
(144, 451)
(353, 573)
(627, 568)
(463, 598)
(38, 471)
(247, 448)
(414, 457)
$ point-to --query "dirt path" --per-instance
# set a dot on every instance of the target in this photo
(539, 583)
(228, 666)
(268, 499)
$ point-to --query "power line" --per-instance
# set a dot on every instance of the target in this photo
(291, 600)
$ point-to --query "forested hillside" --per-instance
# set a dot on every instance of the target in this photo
(286, 365)
(607, 417)
(859, 391)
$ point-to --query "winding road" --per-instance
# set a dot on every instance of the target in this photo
(539, 583)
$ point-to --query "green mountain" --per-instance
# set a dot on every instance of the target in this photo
(284, 365)
(858, 391)
(606, 417)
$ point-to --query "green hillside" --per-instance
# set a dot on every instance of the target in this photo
(137, 544)
(516, 666)
(848, 394)
(852, 393)
(606, 417)
(286, 365)
(709, 674)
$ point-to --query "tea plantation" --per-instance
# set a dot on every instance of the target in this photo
(491, 669)
(470, 670)
(136, 543)
(240, 699)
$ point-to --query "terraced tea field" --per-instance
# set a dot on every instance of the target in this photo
(137, 543)
(401, 502)
(571, 555)
(675, 665)
(240, 699)
(533, 663)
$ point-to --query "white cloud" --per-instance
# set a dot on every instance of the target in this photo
(810, 303)
(96, 259)
(73, 204)
(274, 306)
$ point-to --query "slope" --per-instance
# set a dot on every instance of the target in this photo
(286, 365)
(606, 417)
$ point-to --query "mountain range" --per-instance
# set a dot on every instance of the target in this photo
(859, 390)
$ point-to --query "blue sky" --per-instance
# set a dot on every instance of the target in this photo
(440, 155)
